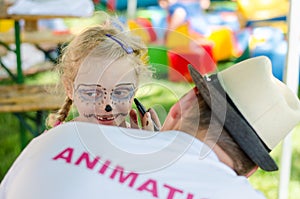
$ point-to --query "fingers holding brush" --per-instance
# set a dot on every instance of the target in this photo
(149, 118)
(155, 119)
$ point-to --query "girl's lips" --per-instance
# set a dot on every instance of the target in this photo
(108, 119)
(105, 118)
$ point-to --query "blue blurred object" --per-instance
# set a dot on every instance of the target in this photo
(274, 47)
(158, 18)
(253, 22)
(224, 18)
(278, 58)
(122, 4)
(194, 15)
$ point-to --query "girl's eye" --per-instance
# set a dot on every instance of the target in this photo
(121, 93)
(95, 94)
(91, 94)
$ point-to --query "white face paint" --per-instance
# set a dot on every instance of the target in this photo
(104, 90)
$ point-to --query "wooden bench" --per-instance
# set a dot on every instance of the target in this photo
(36, 68)
(38, 37)
(25, 98)
(31, 34)
(30, 102)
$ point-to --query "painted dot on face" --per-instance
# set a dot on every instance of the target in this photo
(102, 101)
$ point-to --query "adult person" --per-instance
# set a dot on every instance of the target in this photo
(224, 130)
(245, 100)
(188, 17)
(187, 11)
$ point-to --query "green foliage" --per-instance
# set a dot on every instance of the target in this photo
(9, 142)
(161, 95)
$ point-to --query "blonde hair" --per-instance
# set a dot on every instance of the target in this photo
(95, 39)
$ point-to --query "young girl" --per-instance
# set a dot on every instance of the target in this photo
(100, 70)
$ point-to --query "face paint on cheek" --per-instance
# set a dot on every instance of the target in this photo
(118, 102)
(78, 100)
(130, 100)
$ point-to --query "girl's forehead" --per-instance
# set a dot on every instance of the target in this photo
(106, 72)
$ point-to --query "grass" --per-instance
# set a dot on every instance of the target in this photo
(268, 182)
(9, 142)
(160, 94)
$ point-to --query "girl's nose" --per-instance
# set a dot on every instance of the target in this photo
(108, 108)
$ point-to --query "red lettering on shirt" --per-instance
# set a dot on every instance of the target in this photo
(86, 158)
(65, 154)
(117, 172)
(104, 167)
(123, 178)
(172, 191)
(150, 186)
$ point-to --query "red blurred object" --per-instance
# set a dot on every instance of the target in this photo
(179, 58)
(146, 24)
(61, 32)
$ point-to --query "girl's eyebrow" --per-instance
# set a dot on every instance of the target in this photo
(125, 84)
(97, 85)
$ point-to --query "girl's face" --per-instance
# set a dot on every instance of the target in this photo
(104, 90)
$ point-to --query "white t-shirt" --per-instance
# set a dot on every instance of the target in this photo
(82, 160)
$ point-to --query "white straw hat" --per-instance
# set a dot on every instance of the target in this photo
(260, 110)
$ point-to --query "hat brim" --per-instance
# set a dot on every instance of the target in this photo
(233, 121)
